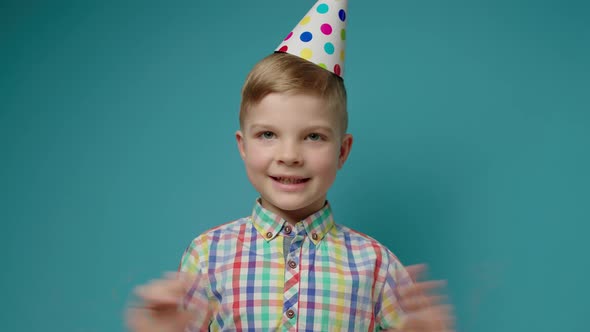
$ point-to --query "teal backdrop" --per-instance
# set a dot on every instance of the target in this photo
(472, 129)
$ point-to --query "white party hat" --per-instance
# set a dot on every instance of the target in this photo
(320, 37)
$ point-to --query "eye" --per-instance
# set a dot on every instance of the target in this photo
(314, 137)
(267, 135)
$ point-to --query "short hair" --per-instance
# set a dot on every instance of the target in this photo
(286, 73)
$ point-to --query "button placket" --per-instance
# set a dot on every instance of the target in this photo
(295, 247)
(292, 276)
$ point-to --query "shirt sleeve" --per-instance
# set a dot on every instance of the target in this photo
(193, 265)
(389, 313)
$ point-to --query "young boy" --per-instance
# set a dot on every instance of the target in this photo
(288, 265)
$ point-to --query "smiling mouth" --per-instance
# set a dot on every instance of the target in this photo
(288, 180)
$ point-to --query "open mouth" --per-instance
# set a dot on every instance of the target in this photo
(289, 180)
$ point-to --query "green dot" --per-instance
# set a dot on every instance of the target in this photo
(343, 34)
(323, 65)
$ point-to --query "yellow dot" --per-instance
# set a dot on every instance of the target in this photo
(306, 53)
(305, 20)
(342, 55)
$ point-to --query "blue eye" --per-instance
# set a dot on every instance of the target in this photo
(314, 137)
(267, 135)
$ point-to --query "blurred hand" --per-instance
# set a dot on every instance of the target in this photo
(161, 305)
(425, 304)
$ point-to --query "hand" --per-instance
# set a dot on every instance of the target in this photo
(424, 305)
(160, 308)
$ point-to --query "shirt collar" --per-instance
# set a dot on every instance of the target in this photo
(269, 224)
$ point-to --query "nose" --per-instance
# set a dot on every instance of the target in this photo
(289, 153)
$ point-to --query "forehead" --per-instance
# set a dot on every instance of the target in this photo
(291, 110)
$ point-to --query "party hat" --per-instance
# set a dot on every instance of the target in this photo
(320, 37)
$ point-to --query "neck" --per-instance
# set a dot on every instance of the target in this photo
(294, 216)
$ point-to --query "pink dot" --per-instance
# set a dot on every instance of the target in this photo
(337, 69)
(289, 35)
(326, 29)
(284, 48)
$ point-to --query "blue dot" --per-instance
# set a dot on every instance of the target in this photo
(323, 8)
(306, 36)
(342, 15)
(329, 48)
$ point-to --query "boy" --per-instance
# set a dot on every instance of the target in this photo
(289, 266)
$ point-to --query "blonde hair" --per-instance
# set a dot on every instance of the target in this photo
(286, 73)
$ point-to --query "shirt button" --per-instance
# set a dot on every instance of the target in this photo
(288, 229)
(314, 236)
(292, 264)
(269, 235)
(290, 313)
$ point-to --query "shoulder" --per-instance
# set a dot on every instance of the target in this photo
(388, 268)
(198, 249)
(197, 254)
(221, 232)
(359, 241)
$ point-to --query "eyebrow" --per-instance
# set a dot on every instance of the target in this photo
(259, 126)
(320, 127)
(256, 126)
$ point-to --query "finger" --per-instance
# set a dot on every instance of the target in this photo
(138, 319)
(422, 288)
(160, 293)
(439, 318)
(415, 303)
(437, 299)
(416, 271)
(442, 319)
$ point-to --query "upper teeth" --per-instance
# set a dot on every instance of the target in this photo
(289, 180)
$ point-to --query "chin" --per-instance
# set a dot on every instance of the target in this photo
(292, 203)
(289, 206)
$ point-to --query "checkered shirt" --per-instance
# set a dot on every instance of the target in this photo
(331, 279)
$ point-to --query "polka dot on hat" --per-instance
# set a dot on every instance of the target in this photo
(329, 48)
(326, 29)
(306, 53)
(337, 69)
(306, 36)
(323, 8)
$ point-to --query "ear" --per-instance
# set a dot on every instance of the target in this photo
(241, 144)
(345, 147)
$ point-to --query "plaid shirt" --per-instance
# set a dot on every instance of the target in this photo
(330, 279)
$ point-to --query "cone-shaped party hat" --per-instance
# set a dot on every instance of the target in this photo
(320, 37)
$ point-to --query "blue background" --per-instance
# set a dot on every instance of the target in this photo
(471, 121)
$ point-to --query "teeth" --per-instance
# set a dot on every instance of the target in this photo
(289, 181)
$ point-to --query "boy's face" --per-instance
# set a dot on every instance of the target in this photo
(292, 147)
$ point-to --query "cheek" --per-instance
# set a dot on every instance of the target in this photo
(325, 162)
(257, 158)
